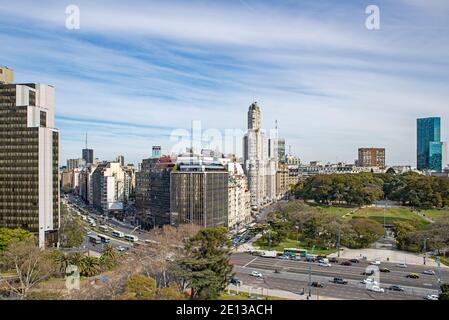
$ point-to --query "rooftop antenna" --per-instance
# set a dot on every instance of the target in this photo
(86, 140)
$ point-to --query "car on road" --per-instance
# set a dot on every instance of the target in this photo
(412, 276)
(317, 284)
(354, 260)
(333, 260)
(235, 281)
(429, 272)
(369, 281)
(386, 270)
(401, 265)
(367, 273)
(295, 258)
(431, 297)
(256, 274)
(284, 257)
(346, 263)
(375, 263)
(376, 289)
(310, 259)
(339, 281)
(396, 288)
(323, 264)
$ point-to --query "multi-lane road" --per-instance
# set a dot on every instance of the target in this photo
(294, 275)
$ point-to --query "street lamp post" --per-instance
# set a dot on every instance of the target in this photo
(425, 250)
(310, 275)
(338, 241)
(439, 275)
(297, 233)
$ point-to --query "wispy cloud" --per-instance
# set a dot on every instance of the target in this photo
(132, 73)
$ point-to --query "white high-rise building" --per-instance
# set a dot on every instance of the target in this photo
(260, 170)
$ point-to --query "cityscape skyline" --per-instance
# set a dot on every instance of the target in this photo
(361, 88)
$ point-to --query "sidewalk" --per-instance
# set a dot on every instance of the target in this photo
(395, 256)
(276, 293)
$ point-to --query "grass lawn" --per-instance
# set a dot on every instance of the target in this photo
(338, 211)
(443, 260)
(391, 215)
(289, 243)
(435, 213)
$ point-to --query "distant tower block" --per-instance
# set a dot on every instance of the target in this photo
(156, 153)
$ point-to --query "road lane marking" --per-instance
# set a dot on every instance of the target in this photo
(250, 262)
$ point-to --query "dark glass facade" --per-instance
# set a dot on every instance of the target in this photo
(88, 156)
(200, 197)
(153, 192)
(429, 146)
(19, 166)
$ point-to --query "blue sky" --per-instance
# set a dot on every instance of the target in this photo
(137, 70)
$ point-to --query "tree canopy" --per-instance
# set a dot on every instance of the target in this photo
(206, 269)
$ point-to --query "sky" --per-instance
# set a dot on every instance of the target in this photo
(137, 73)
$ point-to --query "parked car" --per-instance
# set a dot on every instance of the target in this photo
(401, 265)
(346, 263)
(384, 270)
(340, 281)
(396, 288)
(256, 274)
(431, 297)
(235, 281)
(429, 272)
(333, 260)
(413, 276)
(354, 260)
(375, 263)
(122, 248)
(316, 284)
(376, 289)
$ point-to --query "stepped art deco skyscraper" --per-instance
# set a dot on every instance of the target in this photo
(29, 160)
(258, 169)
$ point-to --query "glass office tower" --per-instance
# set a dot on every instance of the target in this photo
(29, 161)
(430, 149)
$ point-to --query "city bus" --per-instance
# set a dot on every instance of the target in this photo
(103, 228)
(104, 239)
(118, 234)
(131, 237)
(94, 239)
(295, 252)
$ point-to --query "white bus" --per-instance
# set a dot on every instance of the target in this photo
(131, 237)
(118, 234)
(94, 239)
(104, 239)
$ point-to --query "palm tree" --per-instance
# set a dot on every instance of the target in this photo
(90, 266)
(109, 252)
(108, 257)
(63, 260)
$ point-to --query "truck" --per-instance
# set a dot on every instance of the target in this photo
(269, 254)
